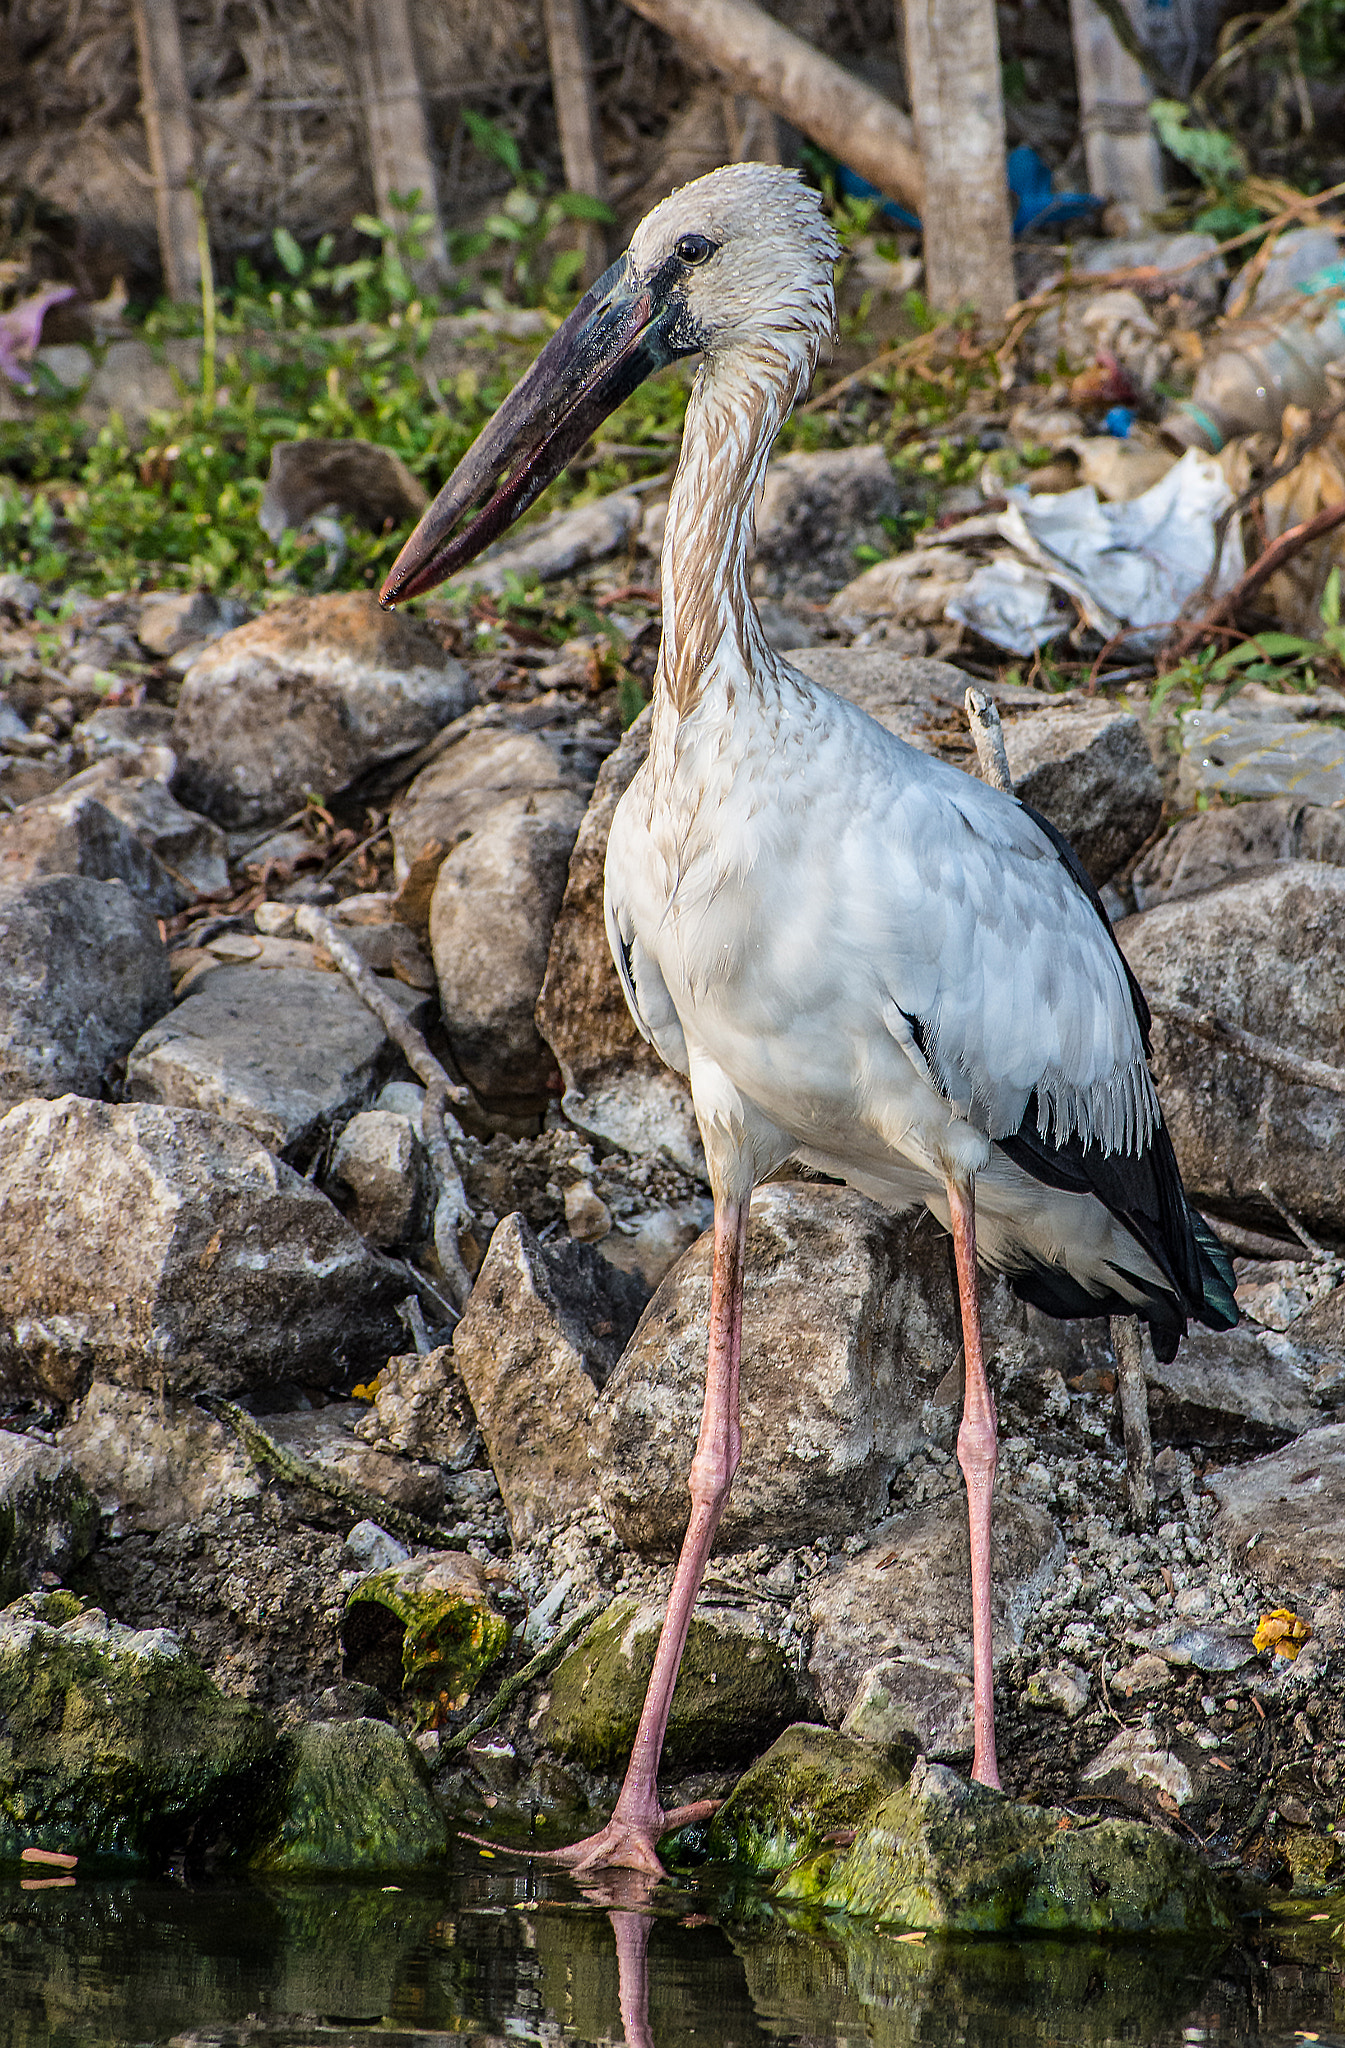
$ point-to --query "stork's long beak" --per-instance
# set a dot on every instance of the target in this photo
(617, 335)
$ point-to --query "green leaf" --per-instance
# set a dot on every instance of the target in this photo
(493, 140)
(1213, 156)
(289, 252)
(367, 225)
(583, 206)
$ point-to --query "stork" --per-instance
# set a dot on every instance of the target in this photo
(860, 957)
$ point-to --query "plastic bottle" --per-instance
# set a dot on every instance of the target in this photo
(1258, 366)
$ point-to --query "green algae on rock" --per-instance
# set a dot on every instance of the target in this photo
(810, 1784)
(735, 1691)
(358, 1799)
(116, 1744)
(425, 1626)
(850, 1828)
(948, 1854)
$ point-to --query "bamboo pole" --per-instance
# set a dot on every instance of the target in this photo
(952, 62)
(1120, 148)
(166, 108)
(577, 119)
(396, 123)
(840, 113)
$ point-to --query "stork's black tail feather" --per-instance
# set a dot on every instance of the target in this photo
(1220, 1311)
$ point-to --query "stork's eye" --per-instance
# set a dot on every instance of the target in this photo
(695, 249)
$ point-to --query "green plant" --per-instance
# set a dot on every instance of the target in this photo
(511, 251)
(1218, 163)
(1282, 661)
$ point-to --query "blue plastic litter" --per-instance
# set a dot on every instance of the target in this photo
(1035, 204)
(855, 187)
(1330, 278)
(1120, 419)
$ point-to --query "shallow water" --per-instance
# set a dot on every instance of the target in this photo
(495, 1953)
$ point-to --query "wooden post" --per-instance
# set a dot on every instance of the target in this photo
(1120, 147)
(952, 59)
(577, 119)
(166, 108)
(757, 55)
(396, 122)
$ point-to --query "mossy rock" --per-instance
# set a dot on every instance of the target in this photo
(735, 1691)
(426, 1627)
(810, 1784)
(357, 1800)
(1314, 1861)
(943, 1853)
(117, 1746)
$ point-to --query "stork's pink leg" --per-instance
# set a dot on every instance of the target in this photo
(631, 1836)
(977, 1452)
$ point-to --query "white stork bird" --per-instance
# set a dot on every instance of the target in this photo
(860, 957)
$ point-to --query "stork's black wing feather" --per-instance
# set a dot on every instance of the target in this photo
(1142, 1190)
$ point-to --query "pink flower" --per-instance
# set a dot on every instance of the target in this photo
(21, 330)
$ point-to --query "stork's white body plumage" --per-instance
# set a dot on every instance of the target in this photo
(859, 956)
(788, 885)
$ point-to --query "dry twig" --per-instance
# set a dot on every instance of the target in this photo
(452, 1209)
(1129, 1342)
(1290, 1066)
(295, 1471)
(1275, 556)
(545, 1660)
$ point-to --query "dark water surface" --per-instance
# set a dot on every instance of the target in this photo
(495, 1953)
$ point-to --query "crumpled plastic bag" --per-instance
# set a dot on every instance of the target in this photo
(1010, 604)
(1245, 750)
(1134, 562)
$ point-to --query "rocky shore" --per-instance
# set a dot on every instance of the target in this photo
(294, 1480)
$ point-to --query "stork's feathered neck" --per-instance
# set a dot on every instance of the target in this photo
(740, 401)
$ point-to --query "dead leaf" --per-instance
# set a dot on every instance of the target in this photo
(1282, 1631)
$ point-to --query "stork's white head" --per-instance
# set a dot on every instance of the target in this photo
(749, 254)
(738, 263)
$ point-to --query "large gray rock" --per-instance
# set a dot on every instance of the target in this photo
(163, 1248)
(815, 510)
(616, 1086)
(288, 1052)
(325, 1438)
(308, 697)
(1088, 770)
(891, 1653)
(1249, 1385)
(75, 831)
(378, 1157)
(85, 972)
(541, 1334)
(491, 918)
(48, 1517)
(1219, 845)
(490, 757)
(1282, 1518)
(192, 850)
(421, 1410)
(1267, 954)
(155, 1461)
(832, 1380)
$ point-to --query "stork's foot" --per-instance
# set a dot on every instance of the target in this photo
(621, 1845)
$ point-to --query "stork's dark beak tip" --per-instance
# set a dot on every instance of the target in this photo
(606, 347)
